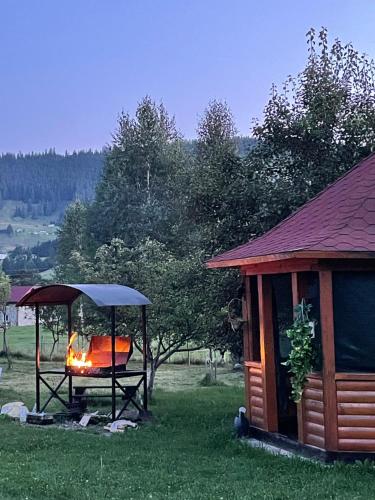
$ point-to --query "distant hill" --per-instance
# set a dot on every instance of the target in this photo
(44, 183)
(35, 190)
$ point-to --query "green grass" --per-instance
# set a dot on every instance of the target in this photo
(187, 452)
(22, 341)
(27, 232)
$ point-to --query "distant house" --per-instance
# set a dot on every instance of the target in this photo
(19, 316)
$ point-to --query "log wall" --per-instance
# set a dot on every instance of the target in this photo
(312, 406)
(356, 412)
(255, 387)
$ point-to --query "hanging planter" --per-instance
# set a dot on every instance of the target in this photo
(301, 356)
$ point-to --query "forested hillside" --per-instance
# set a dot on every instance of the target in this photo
(45, 183)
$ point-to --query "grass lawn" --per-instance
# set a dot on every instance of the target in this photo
(27, 232)
(188, 452)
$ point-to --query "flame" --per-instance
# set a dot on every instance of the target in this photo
(76, 358)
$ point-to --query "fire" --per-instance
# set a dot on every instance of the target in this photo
(76, 358)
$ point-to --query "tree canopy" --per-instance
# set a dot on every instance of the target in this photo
(163, 206)
(320, 124)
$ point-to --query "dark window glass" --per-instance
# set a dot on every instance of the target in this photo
(282, 317)
(311, 295)
(354, 321)
(254, 311)
(282, 312)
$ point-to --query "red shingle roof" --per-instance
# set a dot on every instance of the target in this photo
(339, 219)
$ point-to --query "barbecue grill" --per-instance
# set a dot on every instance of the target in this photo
(107, 356)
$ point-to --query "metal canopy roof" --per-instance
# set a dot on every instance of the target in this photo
(102, 294)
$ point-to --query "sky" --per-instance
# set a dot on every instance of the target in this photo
(69, 67)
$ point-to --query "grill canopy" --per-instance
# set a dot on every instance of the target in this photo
(103, 295)
(108, 355)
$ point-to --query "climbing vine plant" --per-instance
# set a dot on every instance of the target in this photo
(301, 356)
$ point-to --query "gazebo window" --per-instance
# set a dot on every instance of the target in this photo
(312, 297)
(354, 321)
(254, 311)
(282, 306)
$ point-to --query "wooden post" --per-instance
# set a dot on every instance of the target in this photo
(267, 353)
(37, 359)
(113, 353)
(144, 341)
(70, 328)
(247, 341)
(298, 295)
(329, 368)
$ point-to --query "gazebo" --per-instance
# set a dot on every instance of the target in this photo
(107, 356)
(323, 253)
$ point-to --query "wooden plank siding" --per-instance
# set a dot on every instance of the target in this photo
(255, 388)
(356, 413)
(312, 408)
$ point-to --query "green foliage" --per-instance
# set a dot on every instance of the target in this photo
(4, 297)
(218, 207)
(135, 197)
(318, 126)
(301, 356)
(71, 238)
(138, 230)
(218, 201)
(54, 319)
(23, 263)
(4, 290)
(182, 310)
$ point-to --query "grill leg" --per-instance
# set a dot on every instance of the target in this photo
(37, 359)
(70, 328)
(113, 344)
(144, 338)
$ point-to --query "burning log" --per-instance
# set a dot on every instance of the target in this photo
(76, 358)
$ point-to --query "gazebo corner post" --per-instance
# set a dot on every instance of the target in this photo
(37, 358)
(144, 348)
(329, 363)
(70, 328)
(113, 357)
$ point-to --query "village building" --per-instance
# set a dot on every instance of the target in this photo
(19, 316)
